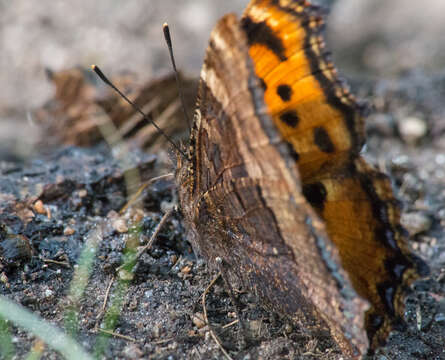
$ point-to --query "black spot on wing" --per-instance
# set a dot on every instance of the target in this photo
(290, 118)
(323, 141)
(315, 194)
(284, 92)
(261, 33)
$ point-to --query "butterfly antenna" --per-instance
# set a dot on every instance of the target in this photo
(146, 117)
(168, 40)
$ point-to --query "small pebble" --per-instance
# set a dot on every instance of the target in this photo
(440, 159)
(416, 222)
(39, 207)
(82, 193)
(4, 279)
(120, 226)
(15, 248)
(186, 269)
(48, 293)
(68, 231)
(173, 259)
(125, 275)
(198, 320)
(167, 206)
(440, 317)
(412, 129)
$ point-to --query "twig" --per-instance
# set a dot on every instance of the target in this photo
(63, 263)
(152, 238)
(230, 324)
(134, 197)
(160, 342)
(212, 333)
(115, 334)
(107, 293)
(177, 261)
(156, 233)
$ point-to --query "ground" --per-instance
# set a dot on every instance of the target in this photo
(161, 311)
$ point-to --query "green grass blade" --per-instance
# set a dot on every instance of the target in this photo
(50, 334)
(6, 345)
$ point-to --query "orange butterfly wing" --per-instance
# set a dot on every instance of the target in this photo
(315, 113)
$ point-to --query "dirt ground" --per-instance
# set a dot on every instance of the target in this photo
(81, 190)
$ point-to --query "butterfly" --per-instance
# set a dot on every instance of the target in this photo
(273, 182)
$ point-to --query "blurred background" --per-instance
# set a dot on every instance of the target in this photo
(369, 39)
